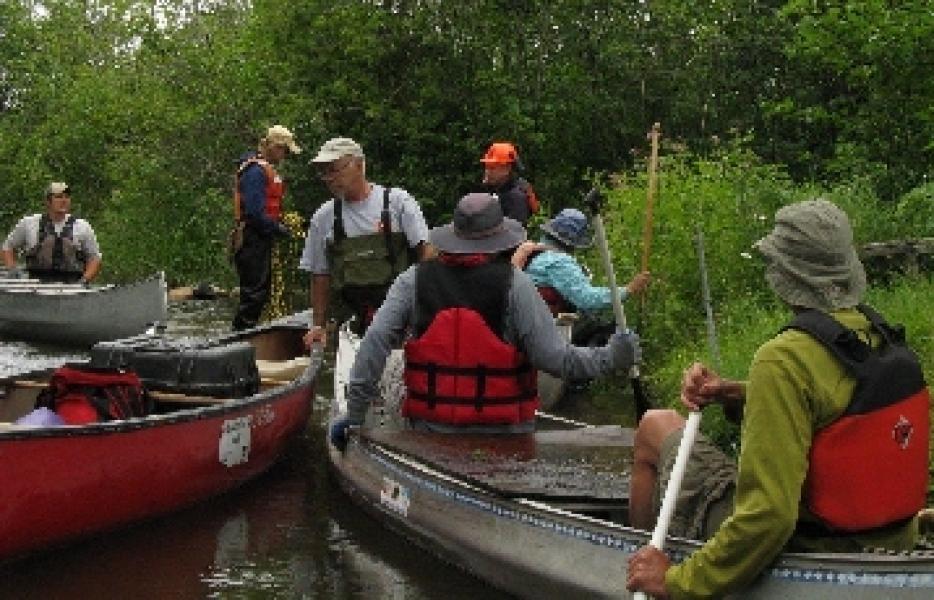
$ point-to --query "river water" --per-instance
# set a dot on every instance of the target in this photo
(288, 534)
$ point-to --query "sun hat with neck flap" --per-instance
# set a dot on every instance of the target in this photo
(811, 259)
(478, 227)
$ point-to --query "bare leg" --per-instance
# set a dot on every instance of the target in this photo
(655, 426)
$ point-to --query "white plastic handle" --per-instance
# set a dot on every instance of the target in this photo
(674, 486)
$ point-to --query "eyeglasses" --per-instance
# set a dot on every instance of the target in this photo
(331, 170)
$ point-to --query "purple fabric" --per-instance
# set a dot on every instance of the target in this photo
(41, 417)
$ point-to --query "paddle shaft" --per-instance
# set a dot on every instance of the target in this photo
(712, 344)
(650, 197)
(600, 235)
(641, 402)
(674, 487)
(693, 423)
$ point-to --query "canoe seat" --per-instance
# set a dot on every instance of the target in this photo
(282, 370)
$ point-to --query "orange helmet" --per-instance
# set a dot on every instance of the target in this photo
(501, 153)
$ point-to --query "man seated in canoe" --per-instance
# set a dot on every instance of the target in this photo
(57, 246)
(358, 241)
(834, 440)
(559, 277)
(478, 330)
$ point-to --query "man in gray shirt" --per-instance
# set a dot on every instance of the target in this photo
(359, 240)
(477, 330)
(56, 245)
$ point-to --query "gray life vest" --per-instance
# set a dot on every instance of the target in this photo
(55, 253)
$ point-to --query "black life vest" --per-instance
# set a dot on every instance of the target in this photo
(82, 394)
(56, 255)
(459, 370)
(869, 468)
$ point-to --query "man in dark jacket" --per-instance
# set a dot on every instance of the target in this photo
(501, 176)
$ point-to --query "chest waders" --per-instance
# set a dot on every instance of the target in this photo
(363, 267)
(56, 256)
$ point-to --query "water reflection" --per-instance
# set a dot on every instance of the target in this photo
(289, 534)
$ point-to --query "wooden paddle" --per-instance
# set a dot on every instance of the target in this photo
(650, 196)
(594, 200)
(692, 425)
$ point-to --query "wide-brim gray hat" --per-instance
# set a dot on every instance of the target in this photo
(812, 262)
(478, 227)
(570, 227)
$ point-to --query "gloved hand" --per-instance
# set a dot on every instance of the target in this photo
(627, 350)
(338, 433)
(282, 231)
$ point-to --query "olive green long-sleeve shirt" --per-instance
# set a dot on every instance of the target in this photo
(795, 388)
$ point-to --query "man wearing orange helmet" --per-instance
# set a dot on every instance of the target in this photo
(501, 176)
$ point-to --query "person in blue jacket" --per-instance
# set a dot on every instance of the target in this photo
(559, 277)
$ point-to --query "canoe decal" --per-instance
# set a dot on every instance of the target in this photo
(629, 546)
(395, 496)
(234, 445)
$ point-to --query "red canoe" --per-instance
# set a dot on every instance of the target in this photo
(62, 483)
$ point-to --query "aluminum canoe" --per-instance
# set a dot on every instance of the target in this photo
(74, 315)
(543, 515)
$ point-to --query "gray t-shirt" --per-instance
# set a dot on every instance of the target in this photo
(25, 235)
(362, 218)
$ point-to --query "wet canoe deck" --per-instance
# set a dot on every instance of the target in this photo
(574, 465)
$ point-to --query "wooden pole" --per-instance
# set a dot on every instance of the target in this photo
(650, 195)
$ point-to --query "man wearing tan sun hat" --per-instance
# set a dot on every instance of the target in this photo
(258, 197)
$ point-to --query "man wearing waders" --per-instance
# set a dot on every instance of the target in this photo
(358, 241)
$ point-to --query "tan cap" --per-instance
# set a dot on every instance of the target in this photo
(57, 187)
(336, 148)
(277, 134)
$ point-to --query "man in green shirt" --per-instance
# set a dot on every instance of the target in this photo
(750, 511)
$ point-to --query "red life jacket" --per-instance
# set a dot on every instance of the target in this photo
(531, 198)
(869, 468)
(81, 394)
(458, 369)
(275, 189)
(554, 300)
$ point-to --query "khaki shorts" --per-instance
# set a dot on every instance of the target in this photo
(706, 496)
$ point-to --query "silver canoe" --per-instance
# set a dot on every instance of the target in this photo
(542, 515)
(71, 314)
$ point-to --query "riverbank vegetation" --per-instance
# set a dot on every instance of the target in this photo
(143, 107)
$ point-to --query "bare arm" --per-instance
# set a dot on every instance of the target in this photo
(320, 289)
(9, 258)
(522, 254)
(701, 386)
(425, 251)
(91, 269)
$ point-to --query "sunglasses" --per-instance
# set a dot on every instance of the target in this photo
(329, 170)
